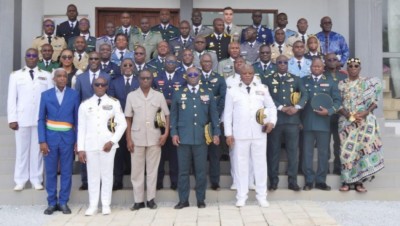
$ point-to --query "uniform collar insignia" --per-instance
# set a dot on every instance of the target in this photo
(201, 90)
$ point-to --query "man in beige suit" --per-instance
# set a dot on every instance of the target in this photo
(144, 138)
(146, 38)
(230, 28)
(81, 58)
(280, 47)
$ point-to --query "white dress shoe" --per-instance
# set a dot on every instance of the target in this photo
(38, 186)
(252, 187)
(106, 210)
(233, 187)
(263, 203)
(19, 187)
(240, 203)
(91, 211)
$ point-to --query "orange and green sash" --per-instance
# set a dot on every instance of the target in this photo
(58, 126)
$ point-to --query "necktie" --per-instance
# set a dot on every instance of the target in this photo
(326, 44)
(206, 76)
(315, 79)
(79, 57)
(196, 31)
(31, 73)
(228, 29)
(169, 77)
(280, 49)
(122, 56)
(47, 63)
(104, 66)
(265, 68)
(112, 41)
(139, 68)
(184, 42)
(162, 61)
(127, 86)
(299, 64)
(193, 90)
(303, 39)
(126, 31)
(219, 37)
(49, 38)
(93, 78)
(248, 89)
(251, 45)
(99, 101)
(144, 36)
(72, 25)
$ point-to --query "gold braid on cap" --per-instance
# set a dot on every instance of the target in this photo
(353, 60)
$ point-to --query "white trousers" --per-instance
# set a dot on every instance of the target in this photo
(246, 151)
(100, 166)
(29, 159)
(232, 160)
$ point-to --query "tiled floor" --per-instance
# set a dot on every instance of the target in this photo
(280, 213)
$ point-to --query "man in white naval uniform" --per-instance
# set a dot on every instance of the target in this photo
(248, 138)
(24, 90)
(98, 141)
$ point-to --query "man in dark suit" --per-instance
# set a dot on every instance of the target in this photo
(120, 88)
(281, 85)
(184, 41)
(264, 34)
(192, 108)
(140, 61)
(57, 124)
(218, 41)
(84, 26)
(126, 27)
(197, 27)
(168, 31)
(107, 66)
(316, 125)
(167, 82)
(84, 88)
(264, 67)
(69, 28)
(47, 63)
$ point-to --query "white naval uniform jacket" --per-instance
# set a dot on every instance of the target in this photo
(241, 108)
(24, 94)
(92, 123)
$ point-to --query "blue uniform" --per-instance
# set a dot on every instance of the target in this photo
(116, 56)
(156, 65)
(263, 74)
(167, 34)
(264, 35)
(335, 43)
(303, 70)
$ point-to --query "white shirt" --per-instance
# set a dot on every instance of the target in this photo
(97, 73)
(60, 95)
(196, 87)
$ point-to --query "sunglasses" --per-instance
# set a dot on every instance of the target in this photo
(145, 78)
(29, 55)
(49, 25)
(332, 60)
(66, 57)
(193, 74)
(170, 62)
(354, 66)
(265, 52)
(127, 65)
(94, 58)
(139, 53)
(100, 84)
(281, 62)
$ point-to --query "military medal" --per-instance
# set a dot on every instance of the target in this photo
(291, 89)
(275, 90)
(183, 105)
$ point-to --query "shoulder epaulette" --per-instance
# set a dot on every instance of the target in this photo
(174, 38)
(113, 98)
(39, 37)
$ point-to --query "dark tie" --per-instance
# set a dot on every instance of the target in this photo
(127, 86)
(139, 68)
(49, 38)
(299, 64)
(326, 44)
(99, 101)
(315, 79)
(122, 56)
(265, 69)
(248, 89)
(303, 39)
(228, 29)
(219, 37)
(94, 77)
(112, 41)
(184, 42)
(162, 61)
(104, 66)
(72, 26)
(31, 73)
(144, 36)
(280, 49)
(79, 57)
(47, 64)
(196, 31)
(251, 45)
(126, 31)
(206, 76)
(169, 77)
(193, 90)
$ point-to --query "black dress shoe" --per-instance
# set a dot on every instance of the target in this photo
(138, 206)
(308, 187)
(322, 186)
(50, 210)
(181, 205)
(215, 187)
(201, 204)
(294, 187)
(159, 186)
(273, 187)
(173, 186)
(83, 187)
(64, 209)
(117, 186)
(151, 204)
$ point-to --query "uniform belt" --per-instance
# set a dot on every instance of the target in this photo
(58, 126)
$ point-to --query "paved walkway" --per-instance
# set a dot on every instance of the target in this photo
(280, 213)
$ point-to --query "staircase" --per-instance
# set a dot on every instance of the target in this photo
(384, 187)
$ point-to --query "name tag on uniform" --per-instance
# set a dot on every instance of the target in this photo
(290, 80)
(324, 85)
(107, 107)
(214, 80)
(183, 97)
(274, 82)
(42, 78)
(260, 93)
(204, 98)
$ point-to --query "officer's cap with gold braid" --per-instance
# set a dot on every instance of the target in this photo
(159, 119)
(295, 97)
(208, 133)
(261, 116)
(353, 60)
(111, 125)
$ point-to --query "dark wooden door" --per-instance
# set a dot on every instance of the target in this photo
(104, 15)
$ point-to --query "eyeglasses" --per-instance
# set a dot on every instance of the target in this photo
(265, 52)
(94, 58)
(31, 55)
(127, 65)
(332, 60)
(145, 78)
(67, 57)
(281, 62)
(170, 62)
(193, 74)
(353, 66)
(100, 84)
(49, 25)
(139, 53)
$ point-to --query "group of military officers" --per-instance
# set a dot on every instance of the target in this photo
(211, 83)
